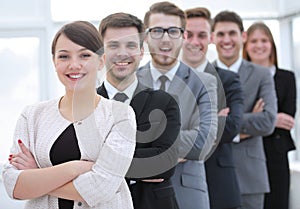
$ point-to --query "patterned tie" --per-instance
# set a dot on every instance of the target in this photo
(163, 80)
(121, 97)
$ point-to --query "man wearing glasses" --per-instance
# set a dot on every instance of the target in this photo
(195, 94)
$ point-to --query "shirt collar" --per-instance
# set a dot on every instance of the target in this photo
(170, 74)
(201, 67)
(234, 67)
(272, 70)
(129, 91)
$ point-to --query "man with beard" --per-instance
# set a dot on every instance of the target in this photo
(196, 96)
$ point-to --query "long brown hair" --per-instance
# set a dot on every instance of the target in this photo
(266, 30)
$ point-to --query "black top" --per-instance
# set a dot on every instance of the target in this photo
(65, 149)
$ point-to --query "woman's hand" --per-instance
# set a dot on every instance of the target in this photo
(284, 121)
(23, 160)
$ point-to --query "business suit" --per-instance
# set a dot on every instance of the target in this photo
(220, 168)
(280, 142)
(154, 147)
(248, 154)
(196, 96)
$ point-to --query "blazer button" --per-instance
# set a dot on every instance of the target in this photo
(277, 136)
(79, 123)
(79, 204)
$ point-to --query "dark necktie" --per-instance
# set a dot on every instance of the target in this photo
(121, 97)
(163, 80)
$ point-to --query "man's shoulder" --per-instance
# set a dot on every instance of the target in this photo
(154, 95)
(256, 68)
(149, 99)
(203, 76)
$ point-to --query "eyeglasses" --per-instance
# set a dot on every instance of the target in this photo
(158, 32)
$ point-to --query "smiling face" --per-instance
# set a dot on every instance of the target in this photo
(195, 45)
(164, 51)
(229, 40)
(75, 65)
(259, 48)
(123, 54)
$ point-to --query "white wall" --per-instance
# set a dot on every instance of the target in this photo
(295, 186)
(289, 6)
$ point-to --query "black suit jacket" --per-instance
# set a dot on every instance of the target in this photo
(158, 126)
(280, 141)
(278, 144)
(220, 170)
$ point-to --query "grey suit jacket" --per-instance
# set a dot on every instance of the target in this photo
(196, 94)
(249, 155)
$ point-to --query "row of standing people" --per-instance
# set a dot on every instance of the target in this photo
(159, 175)
(259, 186)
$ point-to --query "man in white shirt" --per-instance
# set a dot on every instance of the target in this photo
(157, 113)
(196, 96)
(260, 108)
(219, 167)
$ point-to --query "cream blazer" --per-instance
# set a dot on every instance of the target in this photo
(106, 137)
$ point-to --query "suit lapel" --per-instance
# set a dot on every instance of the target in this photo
(144, 76)
(139, 99)
(102, 91)
(211, 69)
(244, 71)
(180, 79)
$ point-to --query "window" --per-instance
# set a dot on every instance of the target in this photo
(19, 84)
(296, 65)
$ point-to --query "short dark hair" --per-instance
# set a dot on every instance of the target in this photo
(122, 20)
(166, 8)
(82, 33)
(228, 16)
(199, 12)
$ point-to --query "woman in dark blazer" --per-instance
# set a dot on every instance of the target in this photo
(260, 49)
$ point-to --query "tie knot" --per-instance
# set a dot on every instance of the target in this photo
(121, 97)
(163, 80)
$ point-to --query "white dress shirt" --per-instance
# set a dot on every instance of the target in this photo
(156, 74)
(201, 67)
(272, 70)
(234, 67)
(129, 91)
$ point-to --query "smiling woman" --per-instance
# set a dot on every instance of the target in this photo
(26, 32)
(69, 151)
